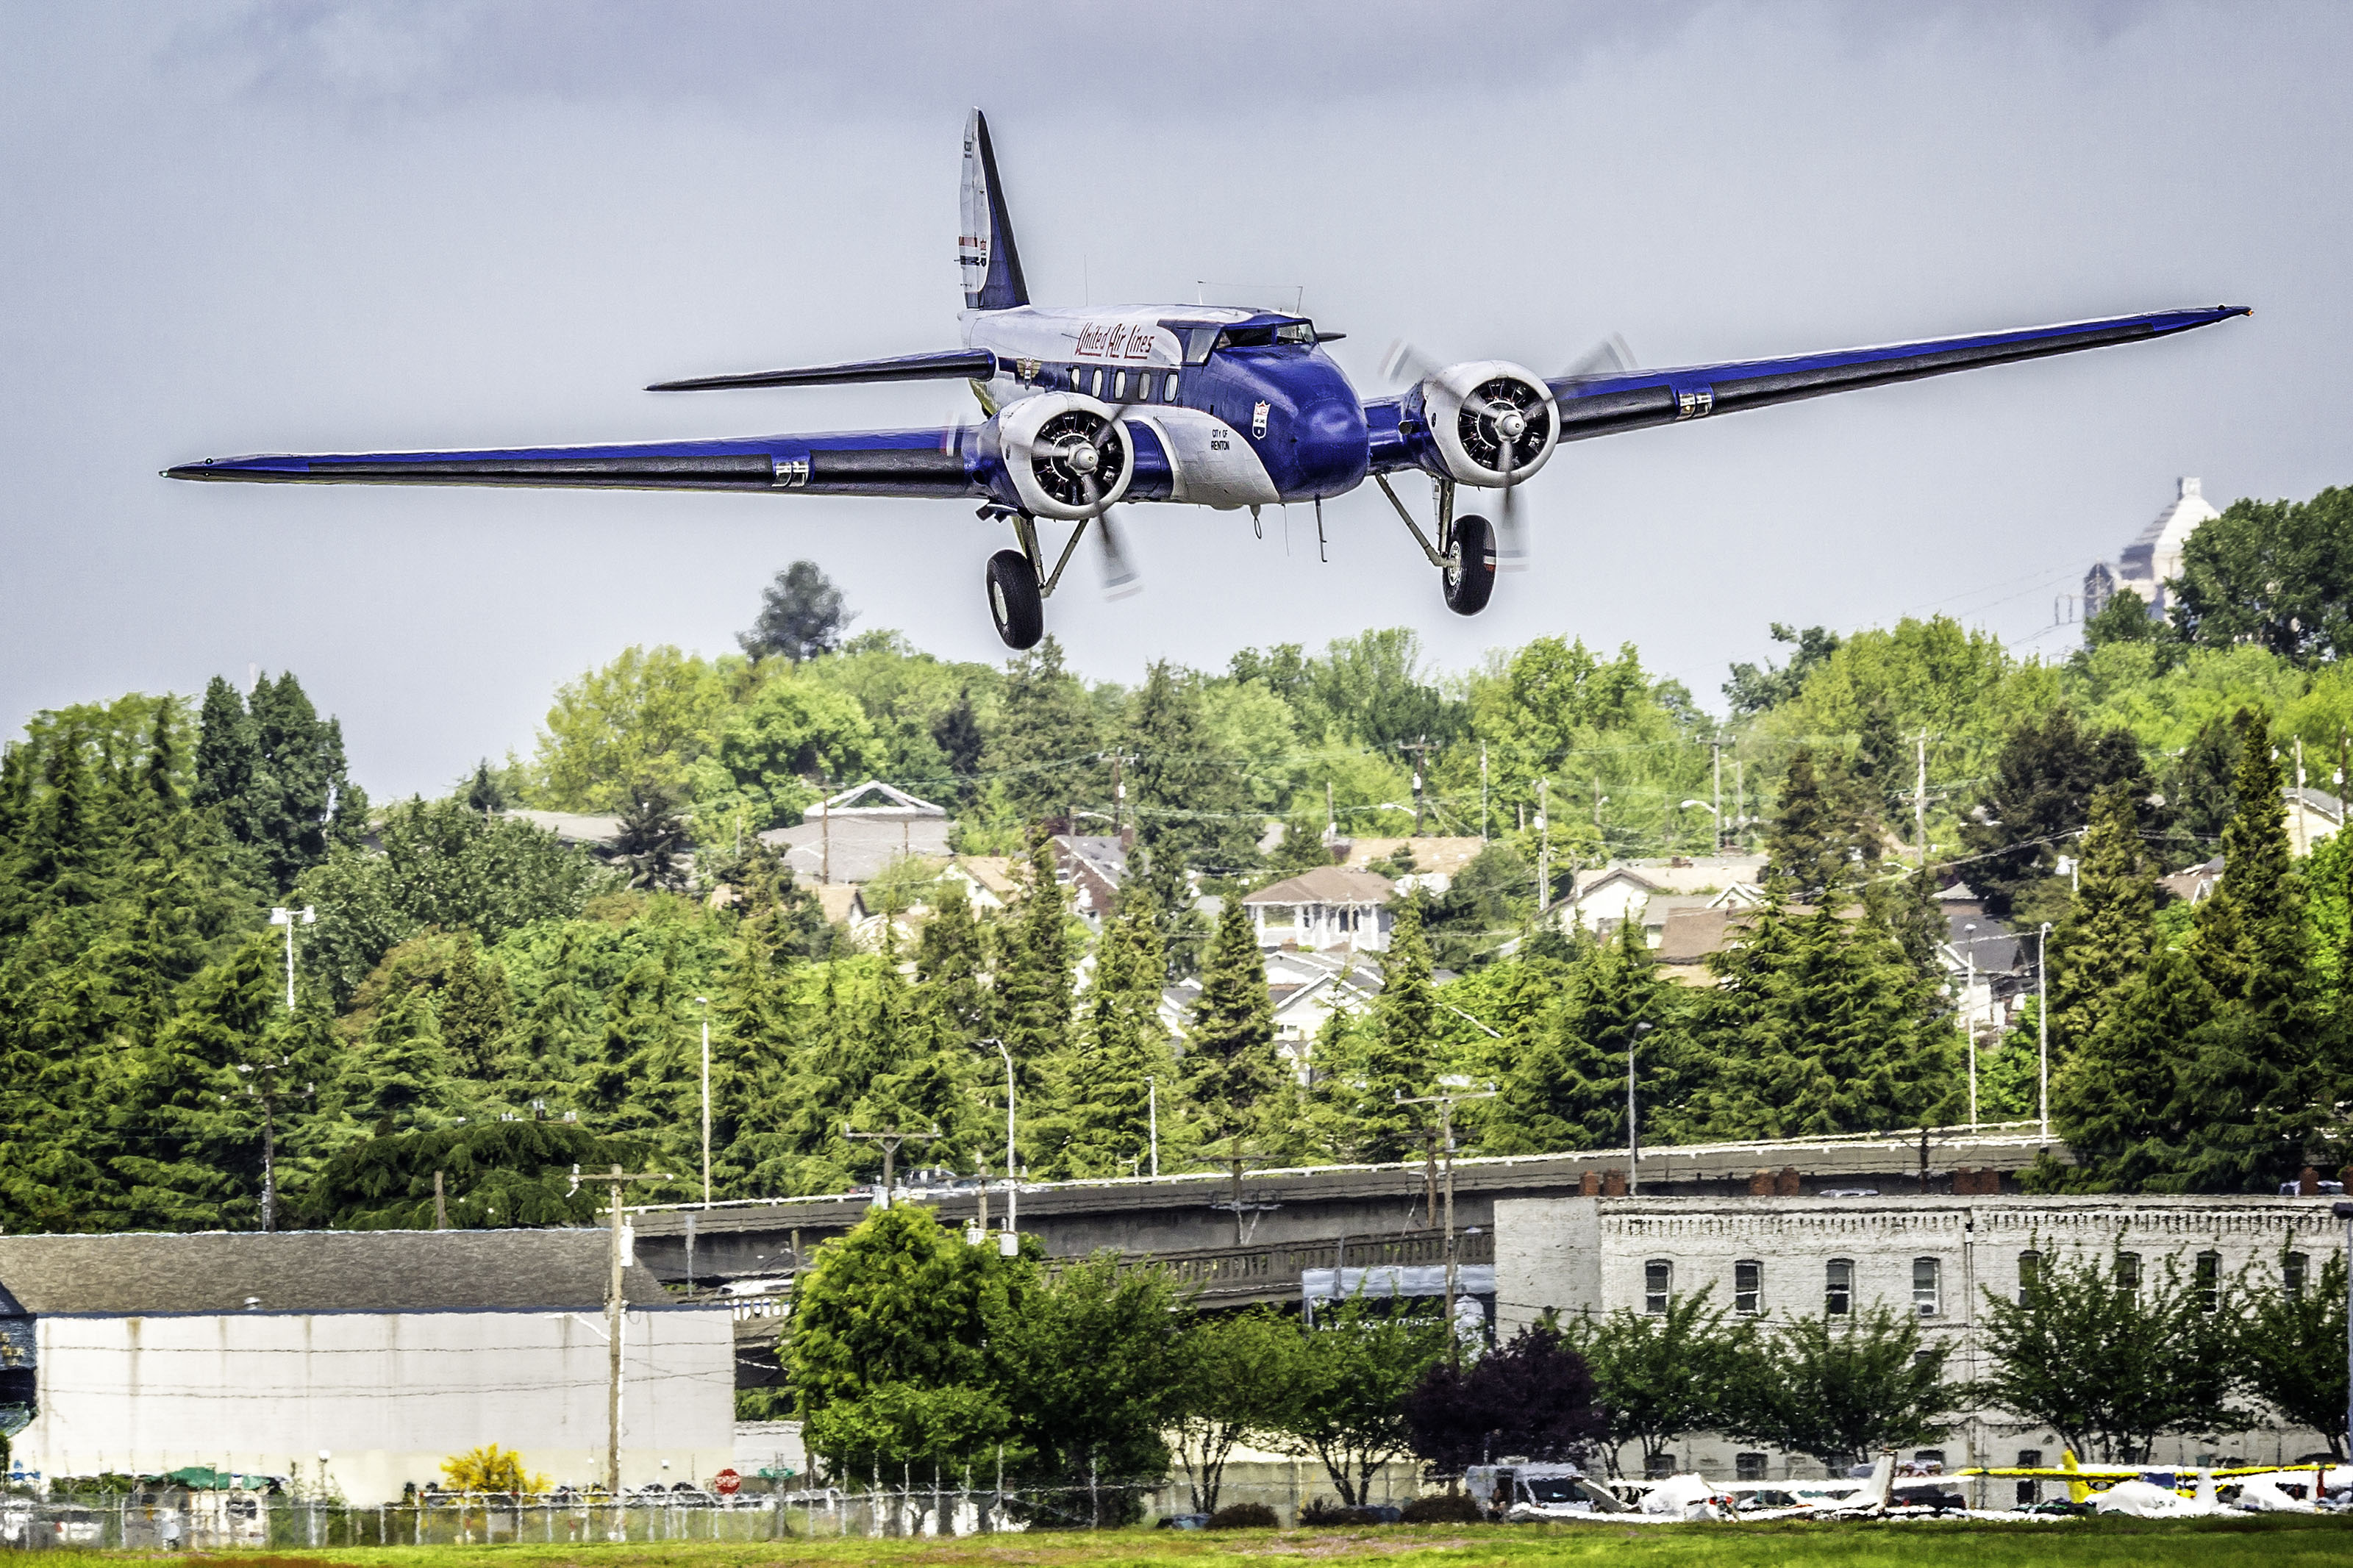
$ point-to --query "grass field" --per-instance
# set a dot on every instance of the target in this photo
(2250, 1542)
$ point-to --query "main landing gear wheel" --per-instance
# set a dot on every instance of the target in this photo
(1469, 574)
(1013, 599)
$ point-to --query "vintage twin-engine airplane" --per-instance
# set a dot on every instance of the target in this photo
(1090, 407)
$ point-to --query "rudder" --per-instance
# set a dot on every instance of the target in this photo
(985, 254)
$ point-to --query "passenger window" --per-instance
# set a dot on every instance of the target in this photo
(1169, 396)
(1098, 384)
(1837, 1288)
(1119, 386)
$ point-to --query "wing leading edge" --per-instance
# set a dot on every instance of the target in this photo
(924, 463)
(1594, 406)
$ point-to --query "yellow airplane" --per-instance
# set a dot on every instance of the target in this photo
(2084, 1480)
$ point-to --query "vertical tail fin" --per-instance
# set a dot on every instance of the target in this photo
(984, 250)
(2076, 1490)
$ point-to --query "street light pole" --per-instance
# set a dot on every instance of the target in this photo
(306, 915)
(2345, 1212)
(1633, 1132)
(706, 1100)
(1152, 1111)
(2043, 1022)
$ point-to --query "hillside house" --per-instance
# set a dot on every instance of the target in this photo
(851, 837)
(1329, 907)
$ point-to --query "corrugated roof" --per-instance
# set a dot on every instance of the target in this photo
(317, 1271)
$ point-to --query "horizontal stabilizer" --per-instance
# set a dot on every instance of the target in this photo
(974, 365)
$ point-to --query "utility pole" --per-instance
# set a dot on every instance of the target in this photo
(306, 916)
(1445, 1103)
(1634, 1127)
(1968, 1015)
(2043, 1023)
(1152, 1111)
(1331, 817)
(1544, 846)
(1235, 1160)
(1483, 792)
(1920, 810)
(2303, 834)
(1419, 751)
(706, 1100)
(1008, 1244)
(825, 838)
(614, 1318)
(257, 1087)
(891, 1137)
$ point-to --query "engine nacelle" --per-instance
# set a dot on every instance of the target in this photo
(1064, 455)
(1479, 414)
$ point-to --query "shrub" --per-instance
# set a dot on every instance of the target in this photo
(1442, 1508)
(1244, 1515)
(1326, 1511)
(490, 1469)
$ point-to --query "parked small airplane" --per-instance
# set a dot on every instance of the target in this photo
(1088, 407)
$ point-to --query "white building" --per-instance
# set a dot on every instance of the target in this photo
(851, 837)
(390, 1350)
(1934, 1255)
(1329, 907)
(2153, 556)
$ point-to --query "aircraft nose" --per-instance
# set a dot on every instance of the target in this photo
(1335, 449)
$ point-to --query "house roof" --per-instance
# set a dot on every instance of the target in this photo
(1445, 856)
(993, 873)
(572, 827)
(881, 800)
(1328, 885)
(316, 1271)
(1103, 854)
(1681, 873)
(840, 902)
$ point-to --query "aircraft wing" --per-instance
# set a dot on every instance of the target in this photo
(930, 463)
(1632, 400)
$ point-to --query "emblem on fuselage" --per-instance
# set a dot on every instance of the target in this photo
(1257, 421)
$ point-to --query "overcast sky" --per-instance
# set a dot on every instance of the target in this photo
(240, 227)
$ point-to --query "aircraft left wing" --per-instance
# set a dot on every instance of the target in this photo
(1605, 404)
(924, 463)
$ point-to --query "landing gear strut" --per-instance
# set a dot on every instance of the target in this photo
(1464, 553)
(1018, 585)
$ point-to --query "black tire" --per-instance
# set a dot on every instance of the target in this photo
(1469, 574)
(1013, 601)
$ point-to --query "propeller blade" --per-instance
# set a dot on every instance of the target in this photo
(1121, 580)
(1405, 363)
(1512, 533)
(1610, 356)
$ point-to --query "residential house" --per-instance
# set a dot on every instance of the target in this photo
(1604, 895)
(2312, 815)
(1984, 962)
(377, 1354)
(851, 837)
(1436, 861)
(1093, 866)
(1305, 988)
(596, 831)
(1329, 907)
(989, 880)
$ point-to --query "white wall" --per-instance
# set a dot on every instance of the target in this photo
(1578, 1253)
(390, 1395)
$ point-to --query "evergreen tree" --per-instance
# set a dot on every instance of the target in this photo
(1230, 1056)
(2251, 940)
(1396, 1051)
(2111, 1096)
(1190, 802)
(638, 1075)
(2045, 779)
(400, 1078)
(1046, 750)
(2103, 943)
(275, 770)
(1033, 978)
(1567, 1089)
(1823, 831)
(1103, 1099)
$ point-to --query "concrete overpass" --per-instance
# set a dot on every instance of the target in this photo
(1244, 1240)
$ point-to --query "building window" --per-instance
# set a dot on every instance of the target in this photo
(2030, 1491)
(2294, 1270)
(2030, 1269)
(1658, 1466)
(1748, 1286)
(2128, 1271)
(1837, 1288)
(2210, 1281)
(1927, 1280)
(1658, 1284)
(1748, 1467)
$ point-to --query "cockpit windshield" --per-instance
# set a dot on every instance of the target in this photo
(1302, 333)
(1552, 1489)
